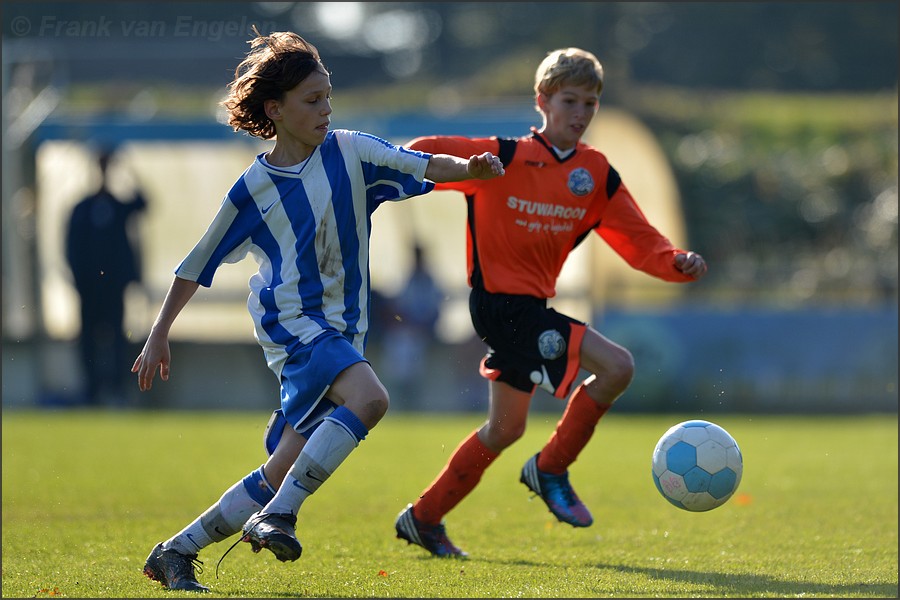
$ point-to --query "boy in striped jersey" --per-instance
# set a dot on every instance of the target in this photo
(521, 229)
(303, 210)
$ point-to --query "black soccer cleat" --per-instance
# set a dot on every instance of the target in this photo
(174, 570)
(431, 537)
(274, 532)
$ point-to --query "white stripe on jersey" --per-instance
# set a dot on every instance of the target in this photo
(309, 232)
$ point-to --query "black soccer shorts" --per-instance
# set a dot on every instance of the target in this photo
(529, 344)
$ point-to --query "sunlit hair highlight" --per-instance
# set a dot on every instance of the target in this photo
(568, 66)
(275, 64)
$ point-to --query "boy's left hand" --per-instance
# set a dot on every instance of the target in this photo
(691, 264)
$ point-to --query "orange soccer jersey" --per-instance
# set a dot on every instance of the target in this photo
(522, 226)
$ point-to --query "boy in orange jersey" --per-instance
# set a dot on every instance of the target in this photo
(521, 228)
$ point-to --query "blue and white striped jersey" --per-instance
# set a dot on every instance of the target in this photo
(309, 232)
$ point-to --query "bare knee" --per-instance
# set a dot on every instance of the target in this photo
(498, 437)
(374, 408)
(613, 377)
(379, 404)
(359, 389)
(621, 370)
(371, 407)
(612, 367)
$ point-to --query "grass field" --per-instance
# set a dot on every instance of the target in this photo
(86, 495)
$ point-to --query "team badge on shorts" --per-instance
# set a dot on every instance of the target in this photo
(580, 182)
(551, 344)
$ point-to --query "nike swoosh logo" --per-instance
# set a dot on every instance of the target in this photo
(266, 209)
(313, 477)
(300, 485)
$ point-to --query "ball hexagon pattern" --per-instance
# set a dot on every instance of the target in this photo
(697, 465)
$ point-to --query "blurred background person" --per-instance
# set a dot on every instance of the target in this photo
(104, 256)
(412, 332)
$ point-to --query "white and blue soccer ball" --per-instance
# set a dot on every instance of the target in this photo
(697, 465)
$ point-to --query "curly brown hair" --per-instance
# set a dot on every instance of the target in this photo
(275, 64)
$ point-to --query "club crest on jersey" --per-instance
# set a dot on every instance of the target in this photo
(580, 182)
(551, 344)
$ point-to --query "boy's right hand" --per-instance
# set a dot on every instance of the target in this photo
(155, 354)
(484, 166)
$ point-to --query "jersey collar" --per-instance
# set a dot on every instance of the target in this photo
(543, 141)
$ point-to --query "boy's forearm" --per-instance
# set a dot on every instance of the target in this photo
(180, 292)
(444, 168)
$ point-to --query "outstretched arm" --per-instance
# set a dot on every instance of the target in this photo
(444, 167)
(156, 349)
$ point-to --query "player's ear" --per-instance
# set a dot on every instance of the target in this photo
(273, 109)
(541, 101)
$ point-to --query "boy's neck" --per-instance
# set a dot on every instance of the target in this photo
(287, 156)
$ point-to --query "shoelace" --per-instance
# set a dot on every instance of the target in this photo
(242, 537)
(190, 568)
(198, 565)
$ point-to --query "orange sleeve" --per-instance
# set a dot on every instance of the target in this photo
(627, 231)
(455, 146)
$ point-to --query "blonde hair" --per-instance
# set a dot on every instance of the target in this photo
(568, 66)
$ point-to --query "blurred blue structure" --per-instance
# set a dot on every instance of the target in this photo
(751, 360)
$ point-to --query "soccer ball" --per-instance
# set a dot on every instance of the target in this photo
(697, 465)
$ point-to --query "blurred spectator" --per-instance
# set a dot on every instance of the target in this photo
(104, 258)
(412, 332)
(419, 304)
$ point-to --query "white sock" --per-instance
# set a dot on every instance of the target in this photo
(224, 518)
(328, 446)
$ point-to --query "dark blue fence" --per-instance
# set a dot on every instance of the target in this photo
(811, 360)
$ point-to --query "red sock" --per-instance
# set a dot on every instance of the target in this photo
(573, 431)
(459, 477)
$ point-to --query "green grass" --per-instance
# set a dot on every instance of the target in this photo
(86, 495)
